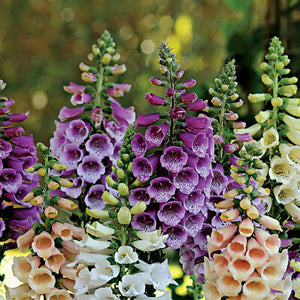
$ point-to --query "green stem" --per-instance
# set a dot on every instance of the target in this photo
(47, 191)
(99, 83)
(221, 127)
(275, 95)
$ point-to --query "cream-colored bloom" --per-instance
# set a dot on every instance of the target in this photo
(270, 223)
(228, 285)
(286, 193)
(99, 230)
(270, 138)
(58, 294)
(237, 247)
(126, 255)
(105, 293)
(211, 291)
(22, 266)
(252, 130)
(272, 272)
(43, 244)
(132, 285)
(165, 296)
(256, 288)
(150, 241)
(62, 231)
(41, 280)
(55, 260)
(246, 227)
(82, 282)
(104, 272)
(294, 136)
(271, 242)
(12, 293)
(281, 170)
(294, 211)
(241, 268)
(88, 244)
(256, 252)
(296, 287)
(24, 241)
(219, 264)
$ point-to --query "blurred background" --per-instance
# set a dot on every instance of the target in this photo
(42, 43)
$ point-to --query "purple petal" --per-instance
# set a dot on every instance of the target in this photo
(75, 190)
(114, 130)
(100, 145)
(138, 145)
(186, 180)
(194, 202)
(193, 223)
(10, 180)
(93, 198)
(155, 134)
(5, 149)
(161, 189)
(139, 194)
(173, 159)
(144, 221)
(71, 156)
(122, 115)
(77, 131)
(177, 235)
(147, 119)
(171, 213)
(68, 113)
(91, 168)
(142, 169)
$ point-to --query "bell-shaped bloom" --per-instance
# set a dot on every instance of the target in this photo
(123, 115)
(93, 198)
(103, 272)
(142, 169)
(91, 168)
(71, 156)
(103, 293)
(189, 97)
(62, 231)
(147, 119)
(10, 180)
(161, 189)
(171, 213)
(77, 131)
(197, 105)
(270, 223)
(198, 122)
(66, 284)
(126, 255)
(58, 294)
(75, 190)
(186, 180)
(99, 230)
(41, 280)
(230, 215)
(55, 260)
(230, 148)
(177, 112)
(228, 285)
(150, 241)
(281, 170)
(43, 244)
(24, 241)
(114, 130)
(194, 202)
(220, 264)
(256, 288)
(154, 99)
(270, 138)
(176, 235)
(271, 272)
(286, 193)
(157, 274)
(68, 113)
(22, 266)
(294, 211)
(97, 116)
(82, 281)
(88, 244)
(241, 267)
(5, 149)
(271, 242)
(12, 293)
(100, 145)
(257, 253)
(144, 221)
(79, 97)
(118, 90)
(132, 285)
(237, 247)
(155, 134)
(139, 194)
(211, 291)
(139, 145)
(193, 223)
(173, 158)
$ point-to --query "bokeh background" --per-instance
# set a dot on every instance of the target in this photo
(42, 43)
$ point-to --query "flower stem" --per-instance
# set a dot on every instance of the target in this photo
(99, 83)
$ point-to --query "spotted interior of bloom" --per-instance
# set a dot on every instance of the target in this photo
(294, 155)
(173, 159)
(200, 145)
(171, 213)
(144, 222)
(186, 180)
(161, 189)
(139, 194)
(194, 202)
(219, 182)
(193, 224)
(176, 236)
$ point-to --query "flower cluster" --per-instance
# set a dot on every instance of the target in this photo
(249, 265)
(90, 135)
(108, 266)
(51, 242)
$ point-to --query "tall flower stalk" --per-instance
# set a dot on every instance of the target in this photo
(45, 272)
(89, 136)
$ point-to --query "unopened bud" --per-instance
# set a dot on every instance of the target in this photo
(279, 65)
(138, 208)
(252, 212)
(162, 69)
(52, 185)
(51, 212)
(97, 213)
(230, 215)
(248, 189)
(38, 200)
(91, 57)
(65, 182)
(231, 194)
(83, 67)
(224, 87)
(266, 79)
(124, 216)
(111, 182)
(123, 189)
(120, 174)
(276, 101)
(28, 197)
(67, 204)
(41, 172)
(245, 203)
(116, 57)
(216, 101)
(95, 50)
(109, 198)
(233, 97)
(30, 169)
(106, 59)
(262, 116)
(59, 167)
(225, 204)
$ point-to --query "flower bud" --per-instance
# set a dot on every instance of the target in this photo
(111, 182)
(59, 167)
(38, 200)
(252, 212)
(124, 215)
(95, 50)
(233, 97)
(97, 213)
(238, 125)
(218, 139)
(248, 189)
(51, 212)
(177, 112)
(66, 204)
(255, 98)
(52, 185)
(230, 215)
(216, 101)
(30, 169)
(106, 59)
(276, 101)
(170, 92)
(83, 67)
(88, 77)
(179, 74)
(279, 66)
(109, 198)
(121, 174)
(65, 182)
(262, 116)
(225, 204)
(138, 208)
(266, 79)
(230, 148)
(288, 90)
(270, 223)
(118, 69)
(231, 194)
(162, 69)
(91, 57)
(123, 189)
(28, 197)
(231, 116)
(116, 57)
(245, 203)
(156, 81)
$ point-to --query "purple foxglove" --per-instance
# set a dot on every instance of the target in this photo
(245, 137)
(5, 149)
(186, 180)
(91, 168)
(123, 115)
(142, 169)
(97, 116)
(17, 117)
(177, 112)
(100, 145)
(154, 100)
(144, 221)
(230, 148)
(71, 156)
(194, 202)
(192, 223)
(176, 235)
(155, 134)
(156, 81)
(148, 119)
(189, 97)
(197, 105)
(161, 189)
(14, 131)
(79, 97)
(10, 180)
(93, 198)
(139, 145)
(68, 113)
(115, 131)
(171, 213)
(118, 90)
(75, 190)
(77, 131)
(219, 181)
(139, 194)
(173, 158)
(197, 122)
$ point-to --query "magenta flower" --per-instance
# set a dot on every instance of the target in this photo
(77, 131)
(155, 134)
(189, 84)
(10, 180)
(68, 113)
(79, 97)
(161, 189)
(219, 181)
(189, 97)
(194, 202)
(123, 115)
(14, 131)
(142, 169)
(173, 158)
(71, 156)
(203, 166)
(198, 122)
(139, 194)
(91, 168)
(100, 145)
(186, 180)
(138, 145)
(197, 105)
(97, 116)
(154, 100)
(176, 235)
(17, 117)
(148, 119)
(114, 130)
(118, 90)
(230, 148)
(171, 213)
(177, 112)
(93, 197)
(5, 149)
(144, 221)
